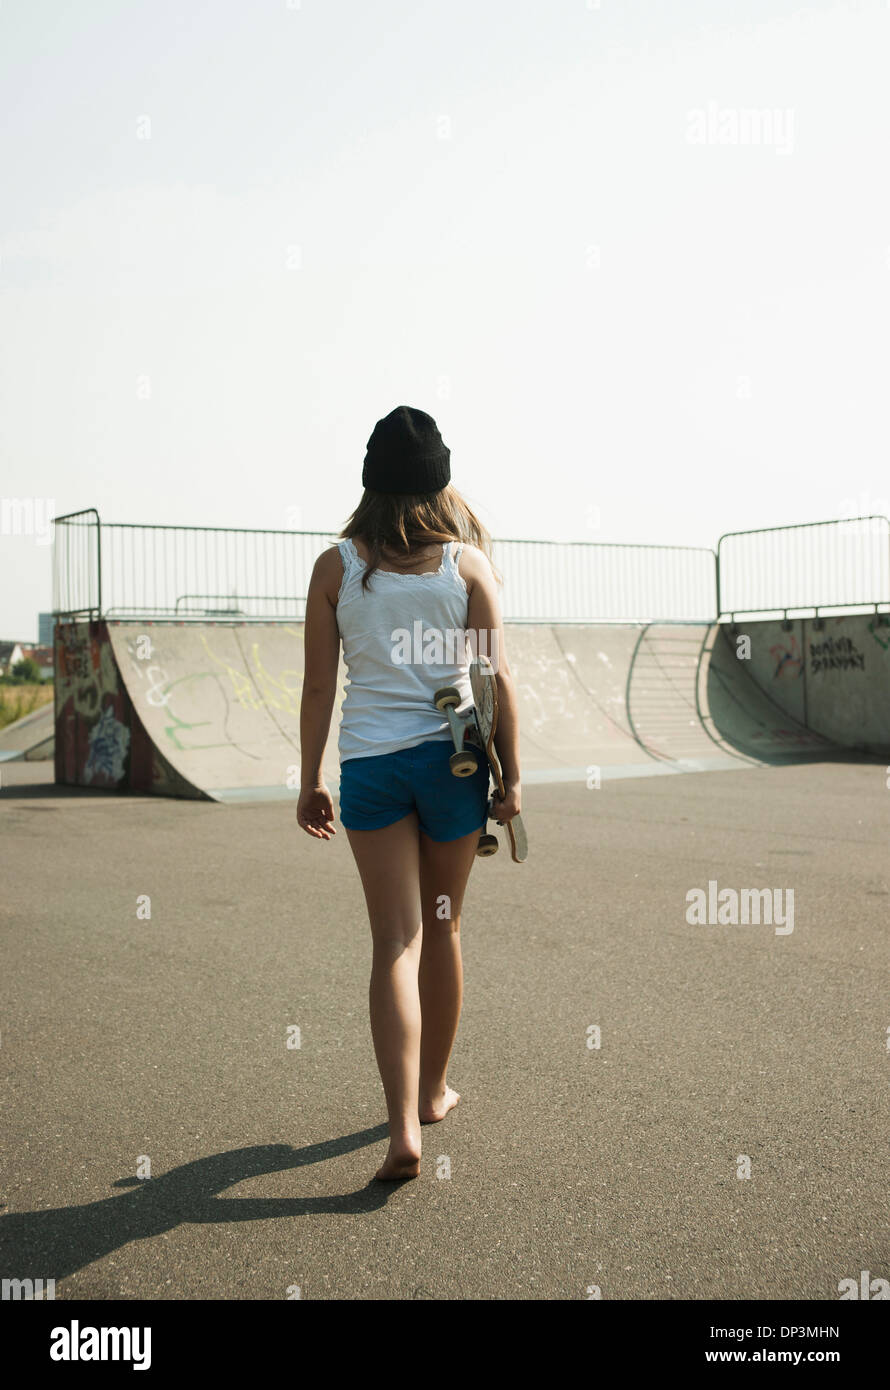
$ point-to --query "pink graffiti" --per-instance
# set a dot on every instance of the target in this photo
(787, 659)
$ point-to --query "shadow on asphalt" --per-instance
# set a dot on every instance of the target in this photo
(14, 791)
(855, 757)
(55, 1243)
(30, 791)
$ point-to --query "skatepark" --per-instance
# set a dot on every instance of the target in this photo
(652, 1107)
(180, 681)
(212, 709)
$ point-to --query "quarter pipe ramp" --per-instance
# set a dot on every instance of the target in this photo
(29, 739)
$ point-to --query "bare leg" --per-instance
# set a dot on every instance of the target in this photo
(444, 870)
(388, 864)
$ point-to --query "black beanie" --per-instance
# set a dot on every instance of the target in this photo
(406, 454)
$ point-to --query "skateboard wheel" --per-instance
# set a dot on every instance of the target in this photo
(447, 696)
(487, 845)
(463, 764)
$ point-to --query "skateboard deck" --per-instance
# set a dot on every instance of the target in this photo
(477, 730)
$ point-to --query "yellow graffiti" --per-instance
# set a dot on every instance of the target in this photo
(257, 688)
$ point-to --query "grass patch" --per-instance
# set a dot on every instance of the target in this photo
(19, 700)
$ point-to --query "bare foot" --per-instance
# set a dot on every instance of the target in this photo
(437, 1108)
(403, 1162)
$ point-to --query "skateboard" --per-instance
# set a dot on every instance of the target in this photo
(472, 734)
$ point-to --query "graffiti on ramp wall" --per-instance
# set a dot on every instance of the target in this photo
(100, 741)
(787, 659)
(92, 711)
(108, 741)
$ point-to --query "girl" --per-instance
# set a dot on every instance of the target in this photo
(413, 566)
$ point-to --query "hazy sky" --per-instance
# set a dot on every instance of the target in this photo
(633, 256)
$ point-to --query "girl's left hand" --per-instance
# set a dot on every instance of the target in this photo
(506, 807)
(315, 812)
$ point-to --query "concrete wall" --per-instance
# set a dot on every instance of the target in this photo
(832, 679)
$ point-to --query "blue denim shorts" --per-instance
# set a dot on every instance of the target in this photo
(378, 791)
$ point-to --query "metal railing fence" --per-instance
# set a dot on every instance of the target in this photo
(815, 565)
(592, 581)
(122, 569)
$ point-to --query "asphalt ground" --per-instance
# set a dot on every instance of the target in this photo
(566, 1167)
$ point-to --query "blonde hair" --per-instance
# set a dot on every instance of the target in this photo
(392, 525)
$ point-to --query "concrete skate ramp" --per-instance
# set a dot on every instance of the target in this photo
(610, 701)
(221, 701)
(807, 685)
(30, 738)
(213, 709)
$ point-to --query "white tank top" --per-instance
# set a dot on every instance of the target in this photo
(393, 659)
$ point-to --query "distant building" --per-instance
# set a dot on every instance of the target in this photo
(45, 629)
(44, 658)
(10, 653)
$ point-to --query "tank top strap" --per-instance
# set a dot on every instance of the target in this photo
(352, 563)
(349, 555)
(453, 551)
